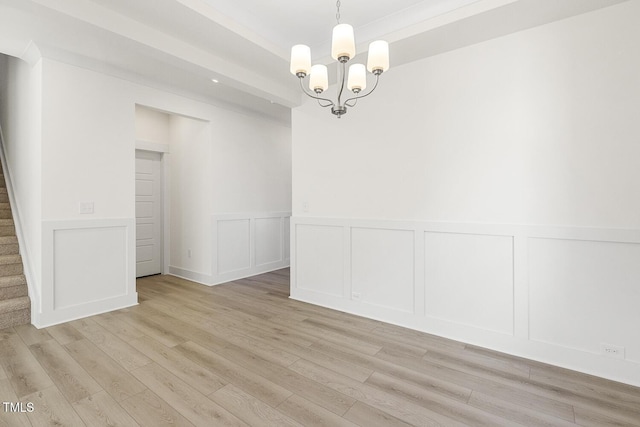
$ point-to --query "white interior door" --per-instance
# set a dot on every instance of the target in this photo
(148, 213)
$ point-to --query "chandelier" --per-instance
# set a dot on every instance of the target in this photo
(343, 48)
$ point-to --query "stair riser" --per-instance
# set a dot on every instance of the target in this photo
(4, 198)
(13, 292)
(5, 214)
(7, 230)
(11, 249)
(15, 318)
(10, 270)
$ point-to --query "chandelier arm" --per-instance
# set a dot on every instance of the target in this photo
(366, 94)
(315, 95)
(354, 102)
(324, 106)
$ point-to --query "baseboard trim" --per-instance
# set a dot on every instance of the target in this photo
(86, 310)
(194, 276)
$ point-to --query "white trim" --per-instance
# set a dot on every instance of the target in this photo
(151, 146)
(33, 284)
(518, 342)
(194, 276)
(166, 212)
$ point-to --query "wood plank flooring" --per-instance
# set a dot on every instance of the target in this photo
(244, 354)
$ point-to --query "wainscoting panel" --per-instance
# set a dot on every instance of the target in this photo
(88, 268)
(93, 257)
(268, 240)
(246, 244)
(584, 293)
(380, 257)
(320, 255)
(547, 293)
(461, 270)
(234, 245)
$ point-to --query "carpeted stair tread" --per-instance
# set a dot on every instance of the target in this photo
(8, 229)
(15, 318)
(6, 222)
(10, 259)
(9, 245)
(10, 265)
(15, 280)
(14, 304)
(13, 292)
(8, 240)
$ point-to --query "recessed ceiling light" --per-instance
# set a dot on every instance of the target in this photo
(214, 80)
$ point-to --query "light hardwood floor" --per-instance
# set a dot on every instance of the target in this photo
(244, 354)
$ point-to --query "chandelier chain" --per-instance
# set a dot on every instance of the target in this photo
(338, 11)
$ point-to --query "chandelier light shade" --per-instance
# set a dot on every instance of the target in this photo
(357, 78)
(319, 78)
(300, 59)
(343, 49)
(378, 59)
(343, 42)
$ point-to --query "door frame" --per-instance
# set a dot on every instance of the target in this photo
(163, 150)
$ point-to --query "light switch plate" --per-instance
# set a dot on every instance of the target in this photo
(85, 207)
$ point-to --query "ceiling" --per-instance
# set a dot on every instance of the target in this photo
(180, 45)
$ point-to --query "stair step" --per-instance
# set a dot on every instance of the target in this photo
(7, 228)
(9, 281)
(13, 287)
(10, 259)
(8, 240)
(14, 304)
(10, 248)
(14, 312)
(10, 265)
(9, 245)
(10, 292)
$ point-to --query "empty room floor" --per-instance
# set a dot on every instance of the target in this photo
(243, 353)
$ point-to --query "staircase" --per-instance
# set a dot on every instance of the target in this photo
(15, 305)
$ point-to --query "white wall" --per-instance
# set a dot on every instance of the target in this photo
(21, 123)
(191, 184)
(152, 125)
(468, 195)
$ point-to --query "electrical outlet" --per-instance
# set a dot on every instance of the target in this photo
(305, 206)
(188, 253)
(612, 350)
(356, 296)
